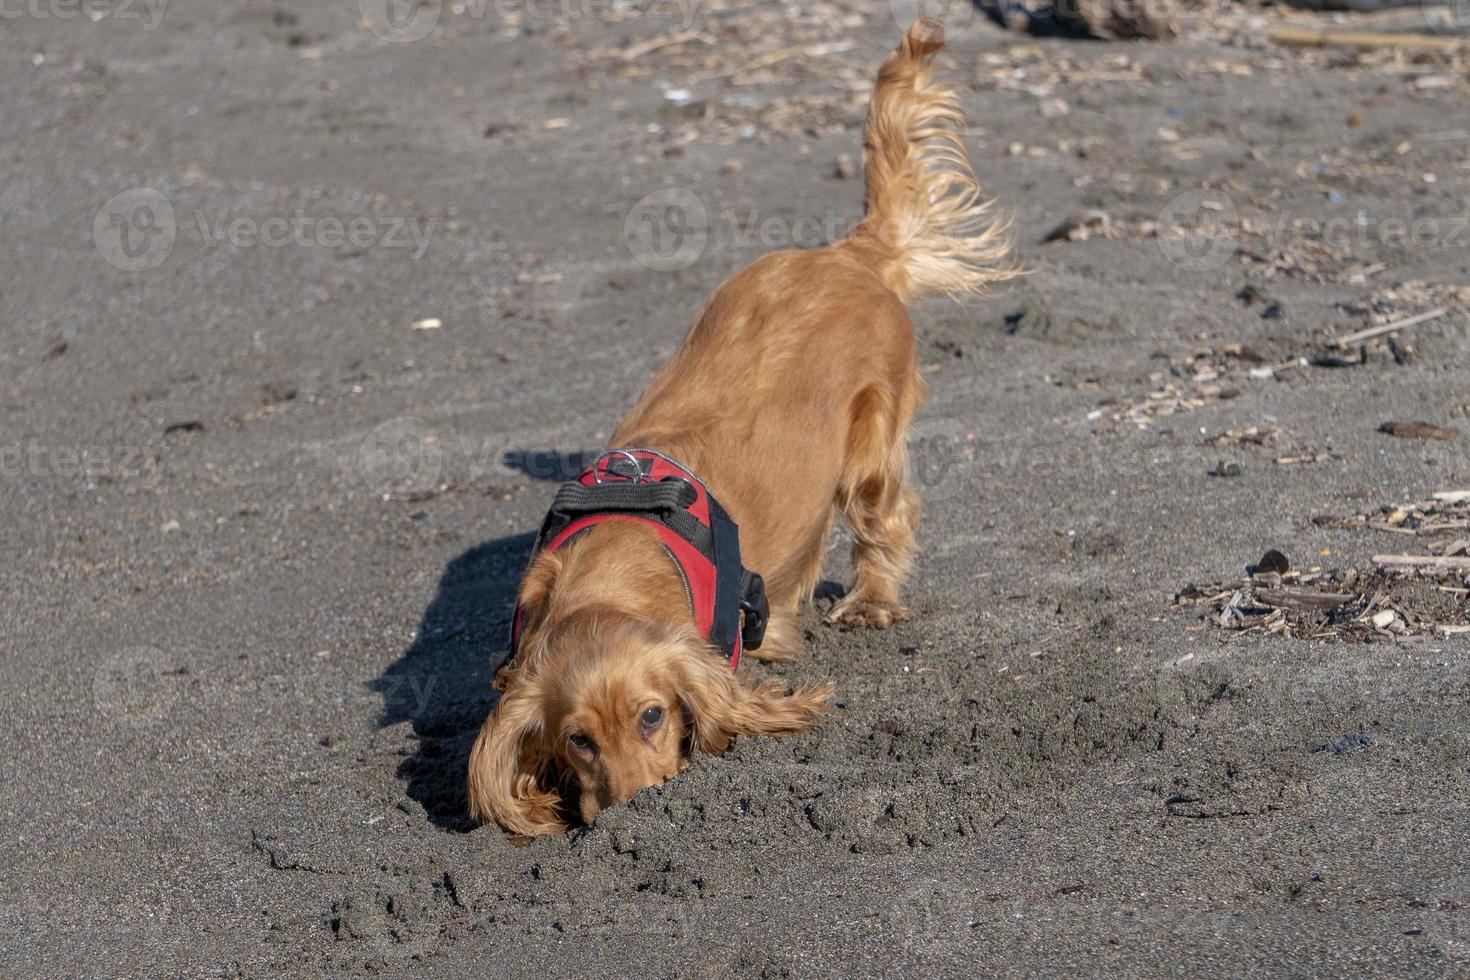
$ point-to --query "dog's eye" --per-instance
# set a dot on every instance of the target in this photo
(581, 742)
(652, 717)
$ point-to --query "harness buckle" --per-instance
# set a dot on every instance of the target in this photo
(755, 608)
(637, 476)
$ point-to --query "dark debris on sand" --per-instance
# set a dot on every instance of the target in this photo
(1415, 597)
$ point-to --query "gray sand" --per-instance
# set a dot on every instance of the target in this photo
(241, 675)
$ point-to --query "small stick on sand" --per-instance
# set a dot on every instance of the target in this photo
(1380, 526)
(1405, 323)
(1280, 599)
(1297, 38)
(1452, 496)
(636, 51)
(1423, 561)
(782, 54)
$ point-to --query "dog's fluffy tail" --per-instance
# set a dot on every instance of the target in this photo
(926, 228)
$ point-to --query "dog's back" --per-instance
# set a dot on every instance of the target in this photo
(797, 382)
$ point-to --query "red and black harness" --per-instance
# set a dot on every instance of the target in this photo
(645, 486)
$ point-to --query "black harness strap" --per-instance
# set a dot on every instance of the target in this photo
(666, 501)
(666, 495)
(727, 576)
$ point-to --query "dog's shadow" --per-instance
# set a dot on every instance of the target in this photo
(441, 683)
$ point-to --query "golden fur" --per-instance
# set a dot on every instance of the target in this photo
(791, 397)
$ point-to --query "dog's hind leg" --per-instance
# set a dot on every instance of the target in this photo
(787, 588)
(881, 508)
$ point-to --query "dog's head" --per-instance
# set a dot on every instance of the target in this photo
(605, 705)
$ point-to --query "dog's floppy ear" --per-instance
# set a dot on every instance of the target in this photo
(720, 707)
(533, 602)
(512, 776)
(535, 592)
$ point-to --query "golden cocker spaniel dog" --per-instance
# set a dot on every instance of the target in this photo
(611, 684)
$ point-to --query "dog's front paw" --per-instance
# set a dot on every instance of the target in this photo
(878, 614)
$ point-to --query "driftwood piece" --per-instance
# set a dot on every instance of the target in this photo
(635, 51)
(1408, 321)
(1300, 38)
(1424, 561)
(1420, 430)
(1297, 599)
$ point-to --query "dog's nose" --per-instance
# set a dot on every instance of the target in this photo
(620, 791)
(625, 792)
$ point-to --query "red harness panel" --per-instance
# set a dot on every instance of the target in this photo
(644, 486)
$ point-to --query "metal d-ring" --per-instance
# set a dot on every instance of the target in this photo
(637, 466)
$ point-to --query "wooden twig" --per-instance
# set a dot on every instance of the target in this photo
(1405, 323)
(1452, 496)
(635, 51)
(1423, 561)
(1391, 529)
(1299, 38)
(783, 54)
(1293, 599)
